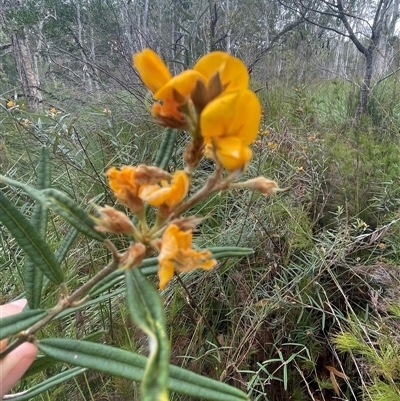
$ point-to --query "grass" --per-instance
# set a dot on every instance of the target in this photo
(310, 313)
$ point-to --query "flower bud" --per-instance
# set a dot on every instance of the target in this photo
(112, 221)
(187, 223)
(151, 174)
(261, 184)
(194, 153)
(134, 256)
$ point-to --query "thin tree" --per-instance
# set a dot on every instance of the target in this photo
(20, 48)
(361, 22)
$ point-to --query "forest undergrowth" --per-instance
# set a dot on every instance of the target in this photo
(312, 314)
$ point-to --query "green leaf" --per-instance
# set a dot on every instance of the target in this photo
(48, 384)
(66, 243)
(43, 362)
(166, 148)
(43, 173)
(122, 363)
(146, 310)
(33, 276)
(30, 241)
(118, 276)
(31, 191)
(13, 324)
(150, 266)
(62, 205)
(71, 212)
(39, 365)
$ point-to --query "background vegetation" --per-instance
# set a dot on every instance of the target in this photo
(313, 314)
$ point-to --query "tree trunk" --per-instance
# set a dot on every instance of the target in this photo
(365, 86)
(26, 72)
(24, 65)
(87, 79)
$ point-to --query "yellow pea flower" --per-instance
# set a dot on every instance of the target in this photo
(152, 70)
(169, 194)
(172, 92)
(156, 76)
(125, 186)
(229, 124)
(174, 95)
(176, 254)
(213, 74)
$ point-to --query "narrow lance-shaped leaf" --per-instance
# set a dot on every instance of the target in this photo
(29, 190)
(66, 243)
(70, 211)
(166, 148)
(146, 310)
(43, 362)
(150, 266)
(13, 324)
(122, 363)
(33, 276)
(62, 205)
(30, 241)
(48, 384)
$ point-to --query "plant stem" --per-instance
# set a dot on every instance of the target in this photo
(77, 297)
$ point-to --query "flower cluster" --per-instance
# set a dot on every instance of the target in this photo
(211, 101)
(135, 186)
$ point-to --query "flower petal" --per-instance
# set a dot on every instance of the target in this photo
(233, 114)
(169, 244)
(152, 70)
(183, 83)
(154, 195)
(231, 152)
(233, 72)
(176, 254)
(179, 188)
(168, 114)
(125, 187)
(165, 273)
(217, 116)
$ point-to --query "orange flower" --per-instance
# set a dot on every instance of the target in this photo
(229, 124)
(125, 187)
(156, 76)
(176, 254)
(169, 194)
